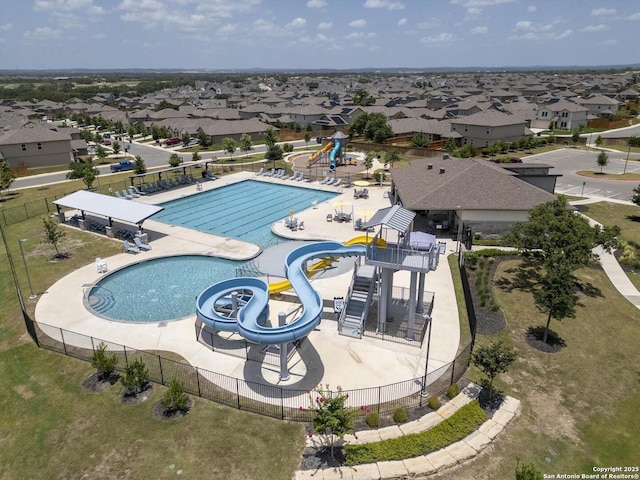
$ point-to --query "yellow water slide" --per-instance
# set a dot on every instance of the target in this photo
(284, 285)
(324, 149)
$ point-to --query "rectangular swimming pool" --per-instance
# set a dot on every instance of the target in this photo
(244, 210)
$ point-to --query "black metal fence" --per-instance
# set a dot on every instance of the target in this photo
(268, 400)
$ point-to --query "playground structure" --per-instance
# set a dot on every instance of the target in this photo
(332, 154)
(241, 305)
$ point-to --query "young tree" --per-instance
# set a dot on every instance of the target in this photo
(274, 153)
(6, 176)
(101, 154)
(175, 398)
(270, 137)
(603, 160)
(527, 471)
(307, 138)
(368, 160)
(575, 138)
(83, 171)
(391, 157)
(174, 160)
(116, 147)
(598, 141)
(245, 144)
(195, 156)
(330, 415)
(136, 377)
(103, 363)
(420, 140)
(203, 139)
(554, 294)
(494, 359)
(450, 145)
(636, 195)
(186, 138)
(139, 165)
(52, 233)
(229, 145)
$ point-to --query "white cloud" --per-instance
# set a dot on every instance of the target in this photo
(81, 6)
(524, 25)
(610, 42)
(563, 35)
(227, 29)
(358, 23)
(360, 35)
(316, 4)
(595, 28)
(431, 23)
(480, 30)
(532, 8)
(389, 5)
(634, 16)
(42, 34)
(296, 23)
(474, 11)
(325, 26)
(602, 11)
(480, 3)
(6, 27)
(440, 38)
(402, 21)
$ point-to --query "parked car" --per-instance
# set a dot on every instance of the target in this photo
(173, 141)
(106, 141)
(122, 166)
(516, 160)
(106, 135)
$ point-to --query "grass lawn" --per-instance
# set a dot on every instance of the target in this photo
(609, 176)
(577, 404)
(627, 217)
(51, 428)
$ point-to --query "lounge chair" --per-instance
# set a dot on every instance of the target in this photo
(300, 177)
(294, 224)
(210, 176)
(119, 195)
(129, 248)
(190, 178)
(132, 192)
(329, 217)
(127, 195)
(330, 181)
(287, 222)
(260, 172)
(324, 182)
(137, 190)
(101, 265)
(337, 182)
(269, 173)
(358, 224)
(301, 226)
(347, 217)
(140, 245)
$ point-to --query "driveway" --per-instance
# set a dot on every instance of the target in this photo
(568, 161)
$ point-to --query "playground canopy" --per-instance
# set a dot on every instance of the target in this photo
(108, 207)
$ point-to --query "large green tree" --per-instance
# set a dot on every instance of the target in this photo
(245, 144)
(139, 165)
(83, 171)
(557, 231)
(229, 145)
(270, 137)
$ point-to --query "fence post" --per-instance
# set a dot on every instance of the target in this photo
(453, 370)
(126, 359)
(64, 345)
(161, 374)
(379, 399)
(198, 380)
(238, 393)
(281, 405)
(93, 346)
(46, 204)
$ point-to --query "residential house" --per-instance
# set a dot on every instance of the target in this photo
(599, 105)
(482, 129)
(35, 146)
(561, 114)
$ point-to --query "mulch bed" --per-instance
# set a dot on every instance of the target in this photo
(489, 322)
(136, 398)
(160, 412)
(553, 344)
(96, 383)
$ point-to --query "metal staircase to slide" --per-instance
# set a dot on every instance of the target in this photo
(359, 296)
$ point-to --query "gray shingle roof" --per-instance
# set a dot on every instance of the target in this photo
(470, 183)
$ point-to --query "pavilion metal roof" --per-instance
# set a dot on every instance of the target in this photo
(107, 206)
(394, 217)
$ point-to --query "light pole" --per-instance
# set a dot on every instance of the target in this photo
(423, 392)
(24, 260)
(627, 160)
(459, 214)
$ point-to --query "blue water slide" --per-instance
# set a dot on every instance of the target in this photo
(251, 318)
(332, 156)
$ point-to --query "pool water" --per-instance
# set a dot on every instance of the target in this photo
(146, 292)
(244, 210)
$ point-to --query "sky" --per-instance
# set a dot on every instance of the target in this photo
(316, 34)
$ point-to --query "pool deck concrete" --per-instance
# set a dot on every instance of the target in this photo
(348, 362)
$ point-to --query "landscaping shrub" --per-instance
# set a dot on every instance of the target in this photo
(455, 428)
(400, 415)
(526, 471)
(372, 419)
(453, 391)
(433, 402)
(175, 398)
(136, 376)
(102, 362)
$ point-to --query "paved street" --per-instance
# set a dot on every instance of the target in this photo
(568, 161)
